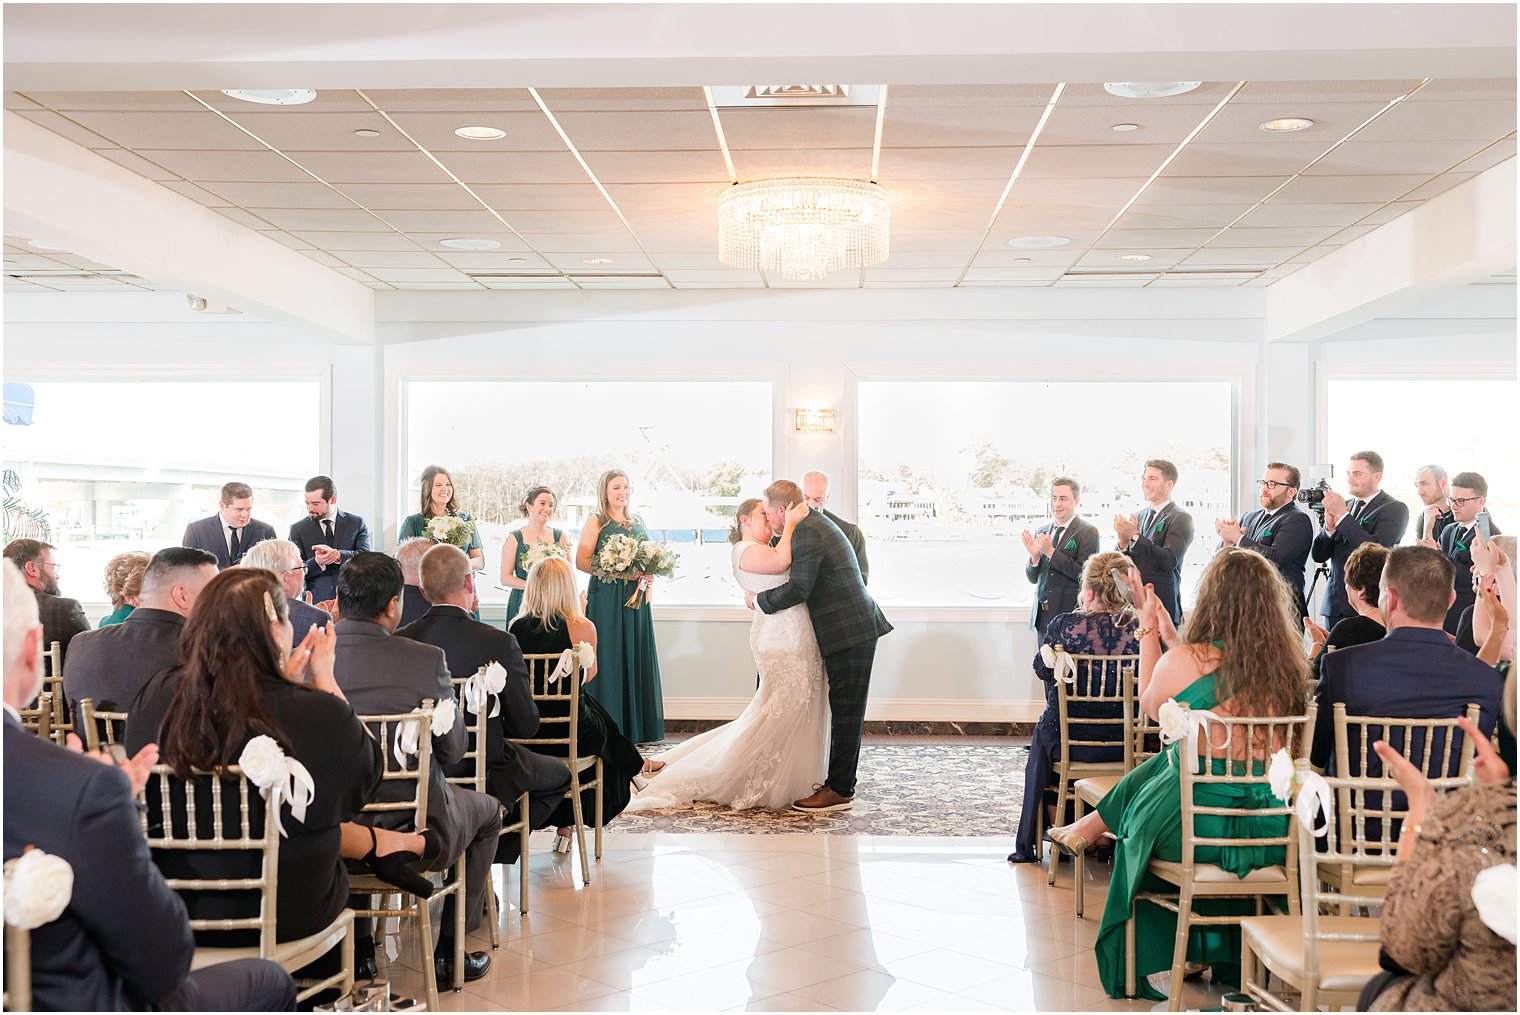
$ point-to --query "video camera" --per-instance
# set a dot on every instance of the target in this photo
(1313, 497)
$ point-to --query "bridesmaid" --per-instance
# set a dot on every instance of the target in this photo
(628, 685)
(538, 508)
(438, 499)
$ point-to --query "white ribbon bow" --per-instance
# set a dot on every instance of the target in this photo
(1315, 799)
(487, 682)
(279, 777)
(1178, 721)
(1060, 661)
(582, 653)
(408, 736)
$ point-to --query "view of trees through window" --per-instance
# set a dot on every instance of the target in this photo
(692, 450)
(951, 472)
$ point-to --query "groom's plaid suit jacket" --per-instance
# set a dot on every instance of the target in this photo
(825, 575)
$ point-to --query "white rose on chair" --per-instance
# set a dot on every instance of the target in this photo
(262, 761)
(1173, 720)
(1493, 895)
(444, 714)
(38, 887)
(1280, 775)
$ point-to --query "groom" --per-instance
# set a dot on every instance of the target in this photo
(846, 621)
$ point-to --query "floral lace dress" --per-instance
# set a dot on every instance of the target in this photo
(777, 749)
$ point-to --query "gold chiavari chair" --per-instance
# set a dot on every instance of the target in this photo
(38, 717)
(99, 728)
(18, 969)
(559, 702)
(52, 682)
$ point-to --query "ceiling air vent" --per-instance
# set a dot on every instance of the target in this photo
(751, 96)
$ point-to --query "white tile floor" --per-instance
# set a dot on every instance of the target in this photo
(690, 922)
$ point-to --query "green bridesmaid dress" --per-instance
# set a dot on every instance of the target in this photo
(1144, 812)
(627, 680)
(514, 601)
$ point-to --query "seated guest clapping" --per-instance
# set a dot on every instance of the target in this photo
(284, 558)
(1364, 576)
(1089, 630)
(468, 646)
(382, 675)
(111, 665)
(1238, 656)
(122, 941)
(124, 574)
(409, 555)
(1414, 672)
(1446, 946)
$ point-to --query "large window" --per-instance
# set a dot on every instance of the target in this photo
(951, 472)
(692, 450)
(1461, 424)
(112, 466)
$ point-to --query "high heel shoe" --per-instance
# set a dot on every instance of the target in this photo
(1067, 840)
(393, 869)
(639, 783)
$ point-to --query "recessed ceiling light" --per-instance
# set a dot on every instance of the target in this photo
(37, 245)
(462, 243)
(1020, 260)
(366, 132)
(517, 260)
(1134, 257)
(273, 96)
(1125, 128)
(597, 260)
(1038, 242)
(480, 133)
(1286, 123)
(1148, 89)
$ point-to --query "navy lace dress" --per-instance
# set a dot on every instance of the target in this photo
(1078, 634)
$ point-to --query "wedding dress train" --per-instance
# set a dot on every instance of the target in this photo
(776, 751)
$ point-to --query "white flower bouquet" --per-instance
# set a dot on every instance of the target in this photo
(451, 529)
(539, 552)
(617, 559)
(623, 557)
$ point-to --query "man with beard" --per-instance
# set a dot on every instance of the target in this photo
(327, 538)
(1279, 530)
(61, 618)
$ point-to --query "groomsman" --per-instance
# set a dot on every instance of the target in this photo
(1057, 554)
(1434, 492)
(1279, 530)
(229, 533)
(1469, 495)
(1370, 514)
(1159, 538)
(327, 538)
(815, 493)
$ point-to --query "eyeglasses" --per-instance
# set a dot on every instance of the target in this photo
(1460, 501)
(52, 564)
(1272, 484)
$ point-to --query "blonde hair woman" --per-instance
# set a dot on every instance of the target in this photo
(550, 622)
(124, 577)
(629, 685)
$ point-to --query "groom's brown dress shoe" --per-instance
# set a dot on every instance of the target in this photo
(823, 799)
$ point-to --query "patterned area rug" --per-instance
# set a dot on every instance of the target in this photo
(907, 786)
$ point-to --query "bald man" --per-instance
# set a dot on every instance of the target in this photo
(815, 491)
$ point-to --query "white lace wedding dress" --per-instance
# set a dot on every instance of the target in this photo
(776, 751)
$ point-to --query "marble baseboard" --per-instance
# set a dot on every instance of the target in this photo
(887, 727)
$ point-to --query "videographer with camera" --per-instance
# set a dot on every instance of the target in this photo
(1279, 530)
(1370, 514)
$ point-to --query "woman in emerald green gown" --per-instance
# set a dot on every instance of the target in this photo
(1238, 655)
(628, 671)
(438, 499)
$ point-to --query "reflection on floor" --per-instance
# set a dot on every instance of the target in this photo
(692, 922)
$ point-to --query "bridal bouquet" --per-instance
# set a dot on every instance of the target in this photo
(451, 529)
(537, 552)
(622, 556)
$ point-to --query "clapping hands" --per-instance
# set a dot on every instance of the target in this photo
(1228, 529)
(137, 768)
(1126, 528)
(326, 555)
(1335, 507)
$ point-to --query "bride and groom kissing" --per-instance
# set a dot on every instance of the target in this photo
(813, 635)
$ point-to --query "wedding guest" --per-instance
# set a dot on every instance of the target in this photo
(551, 621)
(1371, 515)
(123, 585)
(629, 688)
(1364, 577)
(382, 675)
(1469, 495)
(326, 538)
(815, 494)
(1279, 530)
(1090, 629)
(1057, 554)
(283, 557)
(62, 618)
(123, 941)
(233, 530)
(409, 555)
(1443, 928)
(538, 508)
(1433, 489)
(437, 502)
(1494, 562)
(111, 666)
(467, 646)
(240, 679)
(1237, 656)
(1158, 539)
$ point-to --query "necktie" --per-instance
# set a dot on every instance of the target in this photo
(235, 551)
(1356, 509)
(1055, 537)
(327, 531)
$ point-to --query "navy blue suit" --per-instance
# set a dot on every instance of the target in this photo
(1158, 551)
(1456, 543)
(350, 536)
(304, 617)
(208, 534)
(1058, 578)
(1283, 537)
(1381, 520)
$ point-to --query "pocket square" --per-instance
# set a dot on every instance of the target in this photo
(1071, 544)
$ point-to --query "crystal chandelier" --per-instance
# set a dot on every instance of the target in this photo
(803, 227)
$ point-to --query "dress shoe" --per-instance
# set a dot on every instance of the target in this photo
(1067, 840)
(823, 799)
(476, 964)
(366, 969)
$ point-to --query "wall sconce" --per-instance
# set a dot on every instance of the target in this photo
(815, 421)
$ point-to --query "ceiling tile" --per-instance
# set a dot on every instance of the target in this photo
(1002, 284)
(460, 223)
(138, 164)
(295, 130)
(203, 131)
(1093, 125)
(1159, 259)
(244, 218)
(558, 99)
(680, 276)
(1279, 92)
(428, 100)
(395, 259)
(324, 258)
(516, 167)
(687, 260)
(15, 100)
(371, 167)
(975, 96)
(590, 221)
(586, 244)
(66, 128)
(510, 243)
(401, 275)
(1357, 157)
(695, 219)
(129, 101)
(231, 166)
(958, 126)
(426, 286)
(1488, 158)
(1243, 257)
(1444, 121)
(814, 127)
(963, 243)
(1313, 254)
(1249, 159)
(1466, 89)
(1173, 190)
(197, 194)
(912, 274)
(1111, 282)
(1389, 212)
(1347, 189)
(1183, 216)
(1332, 121)
(1004, 257)
(1096, 161)
(1246, 236)
(574, 261)
(284, 195)
(338, 242)
(1199, 283)
(658, 130)
(1275, 213)
(570, 196)
(486, 260)
(1350, 233)
(321, 219)
(328, 100)
(294, 242)
(849, 162)
(653, 167)
(623, 283)
(1436, 185)
(1144, 239)
(526, 132)
(1014, 274)
(1092, 94)
(910, 164)
(553, 282)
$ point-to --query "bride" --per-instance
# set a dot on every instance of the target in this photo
(776, 750)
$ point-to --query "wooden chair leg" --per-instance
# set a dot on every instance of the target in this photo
(522, 866)
(580, 826)
(1129, 953)
(1079, 867)
(600, 782)
(493, 915)
(425, 941)
(1055, 854)
(1179, 947)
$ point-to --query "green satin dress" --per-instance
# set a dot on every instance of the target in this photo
(1144, 812)
(514, 601)
(627, 680)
